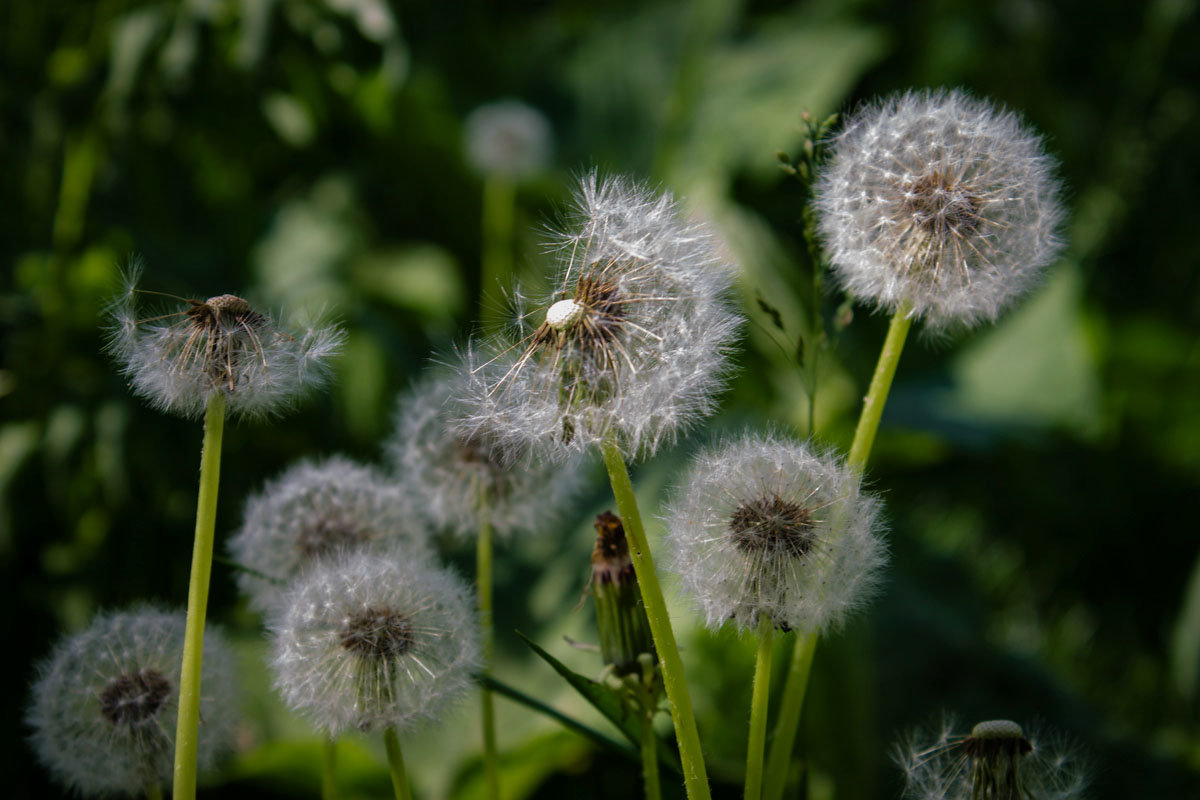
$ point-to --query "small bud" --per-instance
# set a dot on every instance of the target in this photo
(620, 617)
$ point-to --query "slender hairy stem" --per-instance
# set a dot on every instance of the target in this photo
(483, 585)
(396, 765)
(877, 394)
(650, 756)
(187, 728)
(790, 707)
(758, 708)
(498, 210)
(153, 791)
(329, 770)
(692, 757)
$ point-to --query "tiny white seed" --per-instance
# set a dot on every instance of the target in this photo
(564, 314)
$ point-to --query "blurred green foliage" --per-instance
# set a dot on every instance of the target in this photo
(1039, 475)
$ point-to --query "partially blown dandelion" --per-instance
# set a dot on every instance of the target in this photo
(315, 510)
(762, 525)
(631, 344)
(457, 480)
(370, 640)
(178, 359)
(939, 204)
(104, 705)
(508, 138)
(997, 760)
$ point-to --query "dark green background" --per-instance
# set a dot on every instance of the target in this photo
(1041, 476)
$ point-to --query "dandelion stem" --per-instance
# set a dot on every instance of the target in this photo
(498, 212)
(690, 755)
(877, 394)
(483, 584)
(758, 708)
(790, 707)
(329, 769)
(396, 765)
(154, 791)
(650, 756)
(187, 728)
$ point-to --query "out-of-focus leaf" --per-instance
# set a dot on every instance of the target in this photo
(1185, 640)
(422, 277)
(523, 768)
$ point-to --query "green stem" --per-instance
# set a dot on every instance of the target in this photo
(688, 738)
(499, 206)
(790, 706)
(396, 765)
(154, 791)
(649, 756)
(758, 708)
(187, 727)
(329, 770)
(483, 584)
(877, 394)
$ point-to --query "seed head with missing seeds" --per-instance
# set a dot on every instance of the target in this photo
(764, 525)
(178, 359)
(632, 343)
(105, 702)
(940, 201)
(373, 639)
(997, 760)
(316, 509)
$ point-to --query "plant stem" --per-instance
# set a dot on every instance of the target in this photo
(649, 756)
(498, 210)
(153, 791)
(790, 706)
(396, 765)
(758, 708)
(688, 738)
(329, 770)
(483, 585)
(187, 727)
(877, 394)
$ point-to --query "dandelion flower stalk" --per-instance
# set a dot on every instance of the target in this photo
(187, 727)
(329, 769)
(396, 764)
(688, 737)
(483, 587)
(758, 708)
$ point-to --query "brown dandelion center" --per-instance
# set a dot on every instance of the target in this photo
(770, 525)
(594, 321)
(327, 534)
(996, 739)
(134, 697)
(941, 206)
(377, 634)
(224, 312)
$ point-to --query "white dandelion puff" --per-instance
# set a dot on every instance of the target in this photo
(997, 760)
(370, 640)
(762, 525)
(455, 479)
(941, 203)
(105, 703)
(315, 509)
(630, 346)
(508, 138)
(178, 358)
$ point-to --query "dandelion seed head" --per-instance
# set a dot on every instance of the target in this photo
(508, 138)
(104, 705)
(997, 760)
(314, 510)
(940, 201)
(632, 344)
(454, 478)
(371, 639)
(178, 358)
(763, 525)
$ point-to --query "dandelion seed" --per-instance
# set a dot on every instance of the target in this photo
(762, 525)
(997, 760)
(105, 702)
(939, 202)
(508, 138)
(315, 510)
(178, 359)
(631, 345)
(456, 479)
(370, 640)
